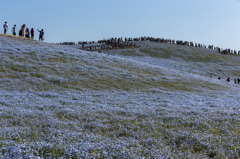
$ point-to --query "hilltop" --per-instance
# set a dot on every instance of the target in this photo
(156, 100)
(203, 61)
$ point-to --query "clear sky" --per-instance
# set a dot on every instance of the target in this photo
(213, 22)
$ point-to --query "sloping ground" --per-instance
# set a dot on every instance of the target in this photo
(188, 59)
(18, 37)
(158, 101)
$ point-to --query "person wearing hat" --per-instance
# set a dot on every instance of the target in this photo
(5, 27)
(14, 30)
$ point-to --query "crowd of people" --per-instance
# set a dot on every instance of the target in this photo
(24, 32)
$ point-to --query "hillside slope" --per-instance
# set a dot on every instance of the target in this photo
(157, 100)
(201, 61)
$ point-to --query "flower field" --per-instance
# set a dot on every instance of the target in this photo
(155, 101)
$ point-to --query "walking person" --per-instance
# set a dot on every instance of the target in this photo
(32, 33)
(23, 30)
(41, 35)
(5, 27)
(14, 30)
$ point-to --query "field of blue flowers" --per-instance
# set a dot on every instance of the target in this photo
(155, 101)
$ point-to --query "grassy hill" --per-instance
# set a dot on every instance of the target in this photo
(157, 100)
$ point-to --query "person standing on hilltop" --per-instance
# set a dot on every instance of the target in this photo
(23, 30)
(20, 32)
(32, 33)
(14, 30)
(5, 27)
(27, 33)
(41, 34)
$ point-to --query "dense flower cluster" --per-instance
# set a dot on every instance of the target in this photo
(56, 101)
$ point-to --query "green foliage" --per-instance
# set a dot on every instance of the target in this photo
(157, 52)
(19, 68)
(38, 75)
(130, 53)
(212, 154)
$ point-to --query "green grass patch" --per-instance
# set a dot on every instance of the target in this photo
(59, 59)
(130, 53)
(38, 75)
(157, 52)
(235, 73)
(19, 68)
(2, 70)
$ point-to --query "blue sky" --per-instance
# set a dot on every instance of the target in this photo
(213, 22)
